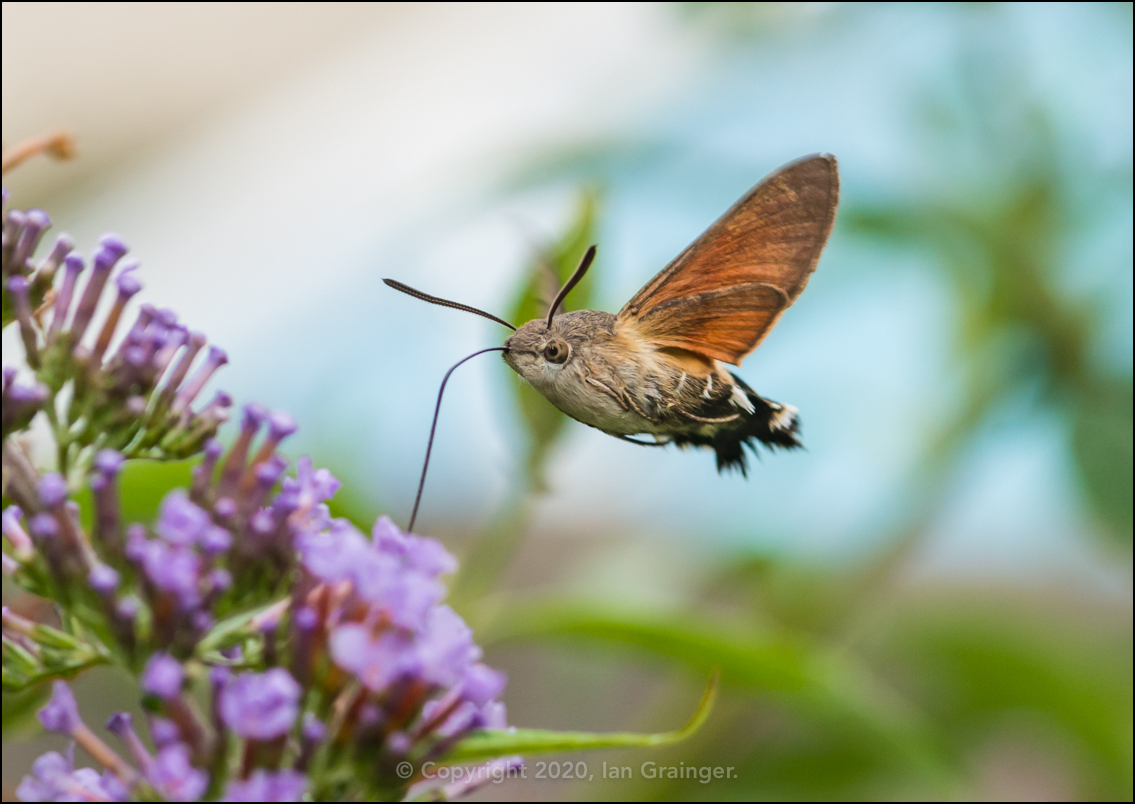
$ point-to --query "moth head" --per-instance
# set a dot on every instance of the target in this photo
(538, 353)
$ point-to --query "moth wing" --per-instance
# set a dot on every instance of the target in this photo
(723, 294)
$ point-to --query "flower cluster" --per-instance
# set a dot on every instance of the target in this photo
(327, 658)
(135, 397)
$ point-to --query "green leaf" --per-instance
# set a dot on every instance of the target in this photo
(232, 630)
(142, 484)
(820, 679)
(487, 744)
(1101, 445)
(20, 708)
(548, 271)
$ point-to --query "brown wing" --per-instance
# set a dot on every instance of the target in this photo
(723, 294)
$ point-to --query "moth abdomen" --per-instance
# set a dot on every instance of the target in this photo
(762, 421)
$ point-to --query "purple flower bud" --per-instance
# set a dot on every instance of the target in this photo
(127, 608)
(225, 508)
(120, 723)
(313, 728)
(128, 284)
(262, 785)
(399, 743)
(60, 714)
(164, 731)
(103, 578)
(109, 461)
(36, 223)
(136, 542)
(280, 425)
(109, 252)
(18, 289)
(181, 522)
(163, 676)
(174, 776)
(63, 246)
(43, 526)
(220, 579)
(215, 540)
(172, 569)
(306, 618)
(215, 359)
(52, 489)
(72, 266)
(261, 706)
(219, 675)
(112, 244)
(254, 415)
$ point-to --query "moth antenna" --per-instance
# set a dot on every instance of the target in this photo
(417, 294)
(433, 427)
(584, 264)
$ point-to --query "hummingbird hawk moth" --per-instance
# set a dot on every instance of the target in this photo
(655, 368)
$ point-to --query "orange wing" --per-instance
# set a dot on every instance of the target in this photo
(722, 295)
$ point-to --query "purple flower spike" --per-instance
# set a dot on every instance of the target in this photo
(52, 489)
(163, 676)
(261, 706)
(175, 777)
(60, 714)
(180, 521)
(73, 266)
(262, 785)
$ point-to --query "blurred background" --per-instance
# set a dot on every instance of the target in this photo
(934, 600)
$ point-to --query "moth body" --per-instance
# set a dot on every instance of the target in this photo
(603, 375)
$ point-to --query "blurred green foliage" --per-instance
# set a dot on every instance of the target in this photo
(549, 270)
(849, 681)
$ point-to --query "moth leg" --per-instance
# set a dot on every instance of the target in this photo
(613, 394)
(630, 440)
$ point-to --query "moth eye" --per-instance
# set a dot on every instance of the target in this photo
(556, 352)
